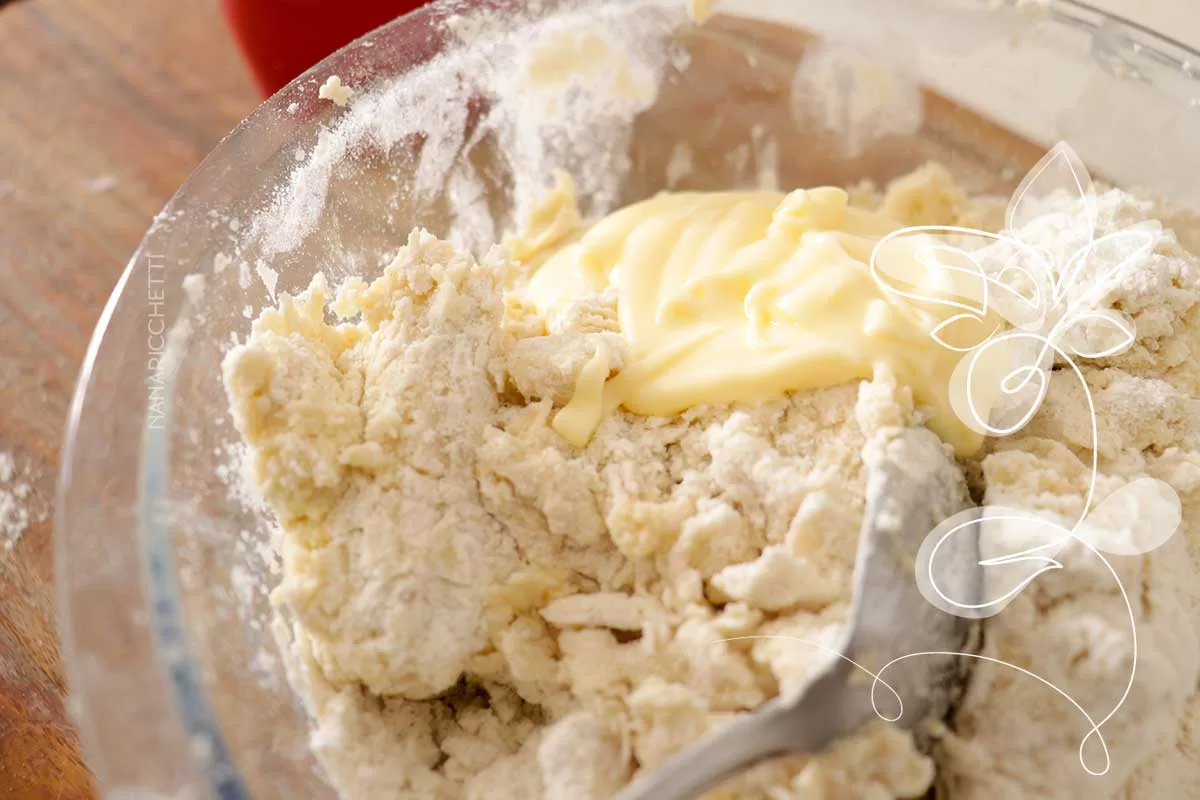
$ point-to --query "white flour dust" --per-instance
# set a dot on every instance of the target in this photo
(18, 506)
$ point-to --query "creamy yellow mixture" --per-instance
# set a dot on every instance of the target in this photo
(728, 297)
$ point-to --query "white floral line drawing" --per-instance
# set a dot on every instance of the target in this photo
(877, 680)
(1049, 296)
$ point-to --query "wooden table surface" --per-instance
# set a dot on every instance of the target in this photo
(105, 107)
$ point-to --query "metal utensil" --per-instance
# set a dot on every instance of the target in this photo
(912, 486)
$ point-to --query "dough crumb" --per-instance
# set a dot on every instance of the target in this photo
(334, 90)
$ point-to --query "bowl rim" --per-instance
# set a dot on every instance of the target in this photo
(1056, 8)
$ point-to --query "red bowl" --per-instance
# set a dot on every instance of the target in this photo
(282, 38)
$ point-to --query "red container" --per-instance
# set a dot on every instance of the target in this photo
(283, 38)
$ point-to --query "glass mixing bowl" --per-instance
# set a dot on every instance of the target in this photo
(164, 564)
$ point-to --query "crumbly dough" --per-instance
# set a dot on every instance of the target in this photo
(478, 609)
(1015, 738)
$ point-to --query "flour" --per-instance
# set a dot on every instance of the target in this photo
(839, 89)
(680, 164)
(14, 518)
(268, 276)
(582, 121)
(478, 609)
(15, 513)
(102, 184)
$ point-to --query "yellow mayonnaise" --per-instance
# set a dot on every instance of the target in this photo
(730, 297)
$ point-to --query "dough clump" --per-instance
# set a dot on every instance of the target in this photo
(479, 609)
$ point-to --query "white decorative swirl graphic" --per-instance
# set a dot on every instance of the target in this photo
(878, 682)
(1017, 304)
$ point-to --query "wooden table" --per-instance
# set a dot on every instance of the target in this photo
(105, 107)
